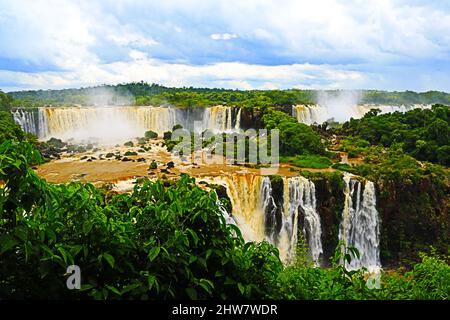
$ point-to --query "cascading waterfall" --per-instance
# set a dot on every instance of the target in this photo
(360, 223)
(116, 123)
(254, 206)
(31, 121)
(301, 199)
(103, 123)
(220, 119)
(309, 114)
(363, 109)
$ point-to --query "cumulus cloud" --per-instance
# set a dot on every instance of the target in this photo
(132, 40)
(223, 36)
(226, 74)
(384, 44)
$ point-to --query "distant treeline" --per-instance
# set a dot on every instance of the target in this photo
(141, 93)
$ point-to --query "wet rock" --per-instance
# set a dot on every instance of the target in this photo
(170, 165)
(151, 135)
(130, 153)
(153, 165)
(56, 143)
(140, 160)
(125, 159)
(167, 135)
(129, 144)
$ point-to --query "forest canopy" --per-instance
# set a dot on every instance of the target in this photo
(141, 93)
(424, 134)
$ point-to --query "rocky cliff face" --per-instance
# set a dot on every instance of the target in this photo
(414, 216)
(330, 203)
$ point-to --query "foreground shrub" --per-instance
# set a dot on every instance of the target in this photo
(163, 241)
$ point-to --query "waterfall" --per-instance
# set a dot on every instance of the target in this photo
(360, 223)
(244, 192)
(301, 199)
(220, 119)
(320, 113)
(269, 208)
(228, 218)
(310, 114)
(363, 109)
(254, 207)
(30, 120)
(120, 123)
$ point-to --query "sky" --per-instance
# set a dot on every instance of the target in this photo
(251, 44)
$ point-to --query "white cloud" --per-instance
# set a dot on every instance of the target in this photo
(46, 32)
(133, 40)
(226, 74)
(327, 43)
(223, 36)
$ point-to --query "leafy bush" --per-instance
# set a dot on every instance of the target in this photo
(151, 135)
(429, 280)
(295, 138)
(163, 241)
(308, 161)
(424, 134)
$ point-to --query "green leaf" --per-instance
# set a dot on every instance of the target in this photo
(130, 287)
(192, 259)
(6, 243)
(152, 282)
(87, 227)
(85, 287)
(113, 289)
(192, 293)
(203, 263)
(208, 253)
(207, 285)
(241, 288)
(229, 280)
(153, 253)
(109, 258)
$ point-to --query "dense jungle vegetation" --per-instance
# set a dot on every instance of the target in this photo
(141, 93)
(163, 241)
(424, 134)
(169, 240)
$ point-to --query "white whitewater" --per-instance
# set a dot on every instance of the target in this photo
(310, 114)
(120, 123)
(319, 113)
(108, 124)
(302, 200)
(360, 224)
(253, 205)
(220, 119)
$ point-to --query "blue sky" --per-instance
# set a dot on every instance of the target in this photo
(348, 44)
